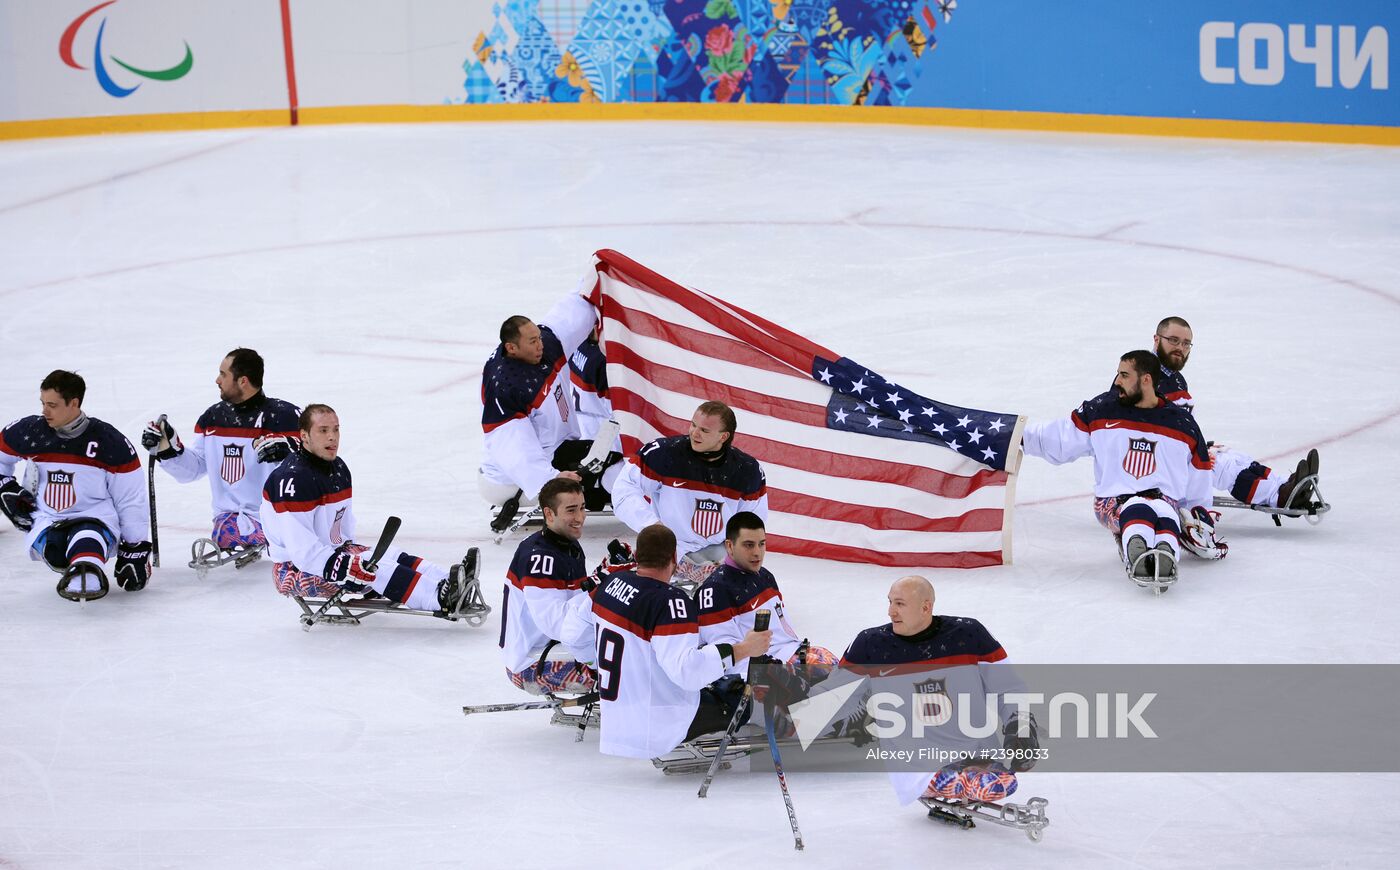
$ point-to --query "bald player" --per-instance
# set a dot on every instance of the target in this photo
(939, 659)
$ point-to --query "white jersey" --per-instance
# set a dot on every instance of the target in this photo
(93, 474)
(222, 450)
(306, 511)
(529, 410)
(651, 666)
(544, 577)
(667, 483)
(589, 373)
(1134, 449)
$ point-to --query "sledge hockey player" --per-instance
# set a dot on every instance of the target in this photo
(692, 483)
(1150, 462)
(738, 588)
(244, 436)
(90, 502)
(588, 370)
(945, 659)
(310, 525)
(657, 682)
(545, 580)
(940, 660)
(529, 415)
(1236, 473)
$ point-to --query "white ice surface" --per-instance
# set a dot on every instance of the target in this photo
(195, 725)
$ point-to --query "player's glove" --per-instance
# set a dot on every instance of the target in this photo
(854, 728)
(161, 440)
(272, 449)
(344, 568)
(17, 503)
(1012, 741)
(133, 565)
(620, 558)
(776, 684)
(1198, 534)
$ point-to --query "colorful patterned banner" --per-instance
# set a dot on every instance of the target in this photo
(848, 52)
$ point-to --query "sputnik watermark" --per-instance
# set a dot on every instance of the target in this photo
(1102, 715)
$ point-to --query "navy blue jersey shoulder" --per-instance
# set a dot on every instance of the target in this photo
(547, 556)
(303, 477)
(646, 603)
(734, 588)
(99, 444)
(952, 640)
(1171, 384)
(591, 367)
(1105, 408)
(671, 459)
(260, 414)
(509, 387)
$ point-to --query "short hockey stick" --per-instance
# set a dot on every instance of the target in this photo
(386, 537)
(782, 780)
(581, 701)
(760, 623)
(151, 494)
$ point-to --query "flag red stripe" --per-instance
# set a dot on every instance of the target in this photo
(644, 280)
(803, 504)
(825, 462)
(842, 553)
(678, 381)
(695, 340)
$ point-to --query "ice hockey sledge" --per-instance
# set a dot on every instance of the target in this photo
(205, 556)
(1312, 512)
(695, 756)
(562, 706)
(469, 607)
(1029, 817)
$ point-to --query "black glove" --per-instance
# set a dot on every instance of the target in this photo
(854, 728)
(343, 568)
(161, 440)
(133, 565)
(784, 687)
(1011, 741)
(272, 449)
(17, 503)
(620, 558)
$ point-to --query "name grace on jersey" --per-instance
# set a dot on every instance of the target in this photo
(621, 590)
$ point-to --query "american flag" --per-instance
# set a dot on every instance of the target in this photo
(859, 469)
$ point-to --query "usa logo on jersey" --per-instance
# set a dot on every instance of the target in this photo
(932, 705)
(1141, 459)
(58, 492)
(337, 537)
(707, 521)
(562, 402)
(232, 470)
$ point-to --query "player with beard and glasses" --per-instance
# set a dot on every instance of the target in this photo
(1150, 461)
(1232, 471)
(237, 443)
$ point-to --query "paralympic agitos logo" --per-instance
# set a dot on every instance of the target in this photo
(99, 65)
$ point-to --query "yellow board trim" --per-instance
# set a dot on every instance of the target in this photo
(1213, 128)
